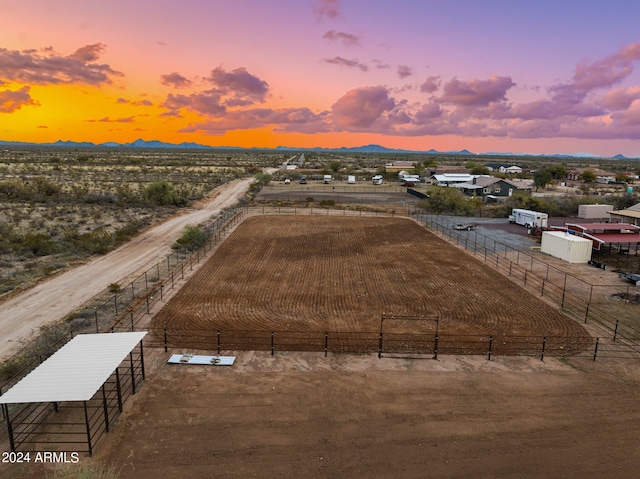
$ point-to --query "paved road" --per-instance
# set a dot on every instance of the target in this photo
(52, 300)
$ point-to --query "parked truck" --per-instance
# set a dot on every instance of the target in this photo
(529, 218)
(377, 180)
(351, 180)
(327, 179)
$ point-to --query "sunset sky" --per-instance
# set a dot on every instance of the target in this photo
(486, 75)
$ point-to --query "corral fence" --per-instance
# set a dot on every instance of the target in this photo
(585, 302)
(384, 344)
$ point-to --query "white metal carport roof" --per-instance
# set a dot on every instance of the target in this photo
(76, 371)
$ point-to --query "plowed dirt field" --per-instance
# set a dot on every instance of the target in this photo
(314, 274)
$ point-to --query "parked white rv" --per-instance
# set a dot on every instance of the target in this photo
(351, 180)
(327, 179)
(529, 218)
(377, 180)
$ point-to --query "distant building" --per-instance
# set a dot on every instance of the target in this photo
(509, 168)
(450, 179)
(490, 187)
(397, 166)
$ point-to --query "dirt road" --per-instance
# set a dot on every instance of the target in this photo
(51, 300)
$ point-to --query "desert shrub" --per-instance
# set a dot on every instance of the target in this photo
(327, 202)
(114, 288)
(192, 238)
(97, 241)
(101, 197)
(39, 244)
(46, 188)
(162, 193)
(15, 190)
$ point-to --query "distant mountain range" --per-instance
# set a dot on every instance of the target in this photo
(140, 143)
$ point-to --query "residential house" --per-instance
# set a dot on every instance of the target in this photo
(490, 187)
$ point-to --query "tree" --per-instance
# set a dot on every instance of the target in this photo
(558, 172)
(447, 200)
(162, 193)
(623, 177)
(335, 165)
(587, 176)
(480, 170)
(542, 178)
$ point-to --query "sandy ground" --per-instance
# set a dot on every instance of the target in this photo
(53, 299)
(303, 415)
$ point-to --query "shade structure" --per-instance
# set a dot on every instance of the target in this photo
(76, 371)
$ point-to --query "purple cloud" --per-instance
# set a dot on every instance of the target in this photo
(230, 89)
(175, 80)
(476, 92)
(404, 71)
(238, 87)
(353, 63)
(301, 120)
(326, 8)
(48, 67)
(347, 39)
(11, 101)
(106, 119)
(430, 85)
(124, 101)
(359, 109)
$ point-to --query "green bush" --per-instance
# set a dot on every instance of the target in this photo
(192, 238)
(162, 193)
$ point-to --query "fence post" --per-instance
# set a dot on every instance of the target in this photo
(490, 347)
(595, 351)
(96, 313)
(542, 288)
(615, 331)
(326, 344)
(165, 340)
(544, 344)
(115, 303)
(435, 348)
(380, 346)
(131, 311)
(272, 341)
(218, 335)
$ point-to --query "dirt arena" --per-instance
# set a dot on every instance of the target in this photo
(302, 415)
(317, 273)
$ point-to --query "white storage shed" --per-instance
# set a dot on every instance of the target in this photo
(568, 247)
(590, 212)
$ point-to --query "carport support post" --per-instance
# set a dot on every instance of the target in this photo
(5, 410)
(105, 408)
(118, 390)
(133, 376)
(86, 421)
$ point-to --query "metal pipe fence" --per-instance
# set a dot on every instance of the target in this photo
(578, 298)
